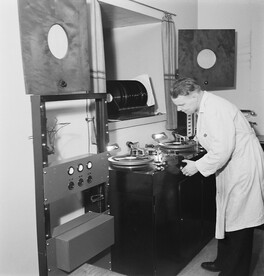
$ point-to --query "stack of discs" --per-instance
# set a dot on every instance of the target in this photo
(126, 94)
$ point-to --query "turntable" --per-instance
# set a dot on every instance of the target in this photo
(178, 144)
(130, 162)
(159, 155)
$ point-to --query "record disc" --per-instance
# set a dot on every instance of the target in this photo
(188, 145)
(128, 160)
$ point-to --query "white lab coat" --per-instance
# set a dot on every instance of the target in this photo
(235, 155)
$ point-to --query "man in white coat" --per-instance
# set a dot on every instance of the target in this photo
(235, 156)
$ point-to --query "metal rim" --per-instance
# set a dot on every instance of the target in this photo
(176, 145)
(127, 160)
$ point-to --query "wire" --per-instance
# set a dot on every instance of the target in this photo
(92, 136)
(166, 12)
(88, 128)
(51, 134)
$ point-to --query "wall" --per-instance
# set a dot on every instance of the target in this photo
(256, 95)
(18, 250)
(247, 18)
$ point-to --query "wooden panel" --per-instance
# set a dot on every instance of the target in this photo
(44, 73)
(222, 42)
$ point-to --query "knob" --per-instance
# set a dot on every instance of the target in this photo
(89, 179)
(62, 83)
(71, 185)
(80, 182)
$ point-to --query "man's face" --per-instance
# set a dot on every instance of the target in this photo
(187, 104)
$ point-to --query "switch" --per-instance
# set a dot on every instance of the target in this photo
(89, 179)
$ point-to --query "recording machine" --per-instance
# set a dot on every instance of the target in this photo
(162, 218)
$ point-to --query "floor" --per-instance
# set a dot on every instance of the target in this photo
(208, 253)
(194, 267)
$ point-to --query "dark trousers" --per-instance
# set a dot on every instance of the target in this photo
(234, 253)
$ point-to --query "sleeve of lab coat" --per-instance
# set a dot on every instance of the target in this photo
(219, 128)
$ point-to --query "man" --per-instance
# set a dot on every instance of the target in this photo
(235, 156)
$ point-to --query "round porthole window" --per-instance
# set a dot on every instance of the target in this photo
(58, 41)
(206, 59)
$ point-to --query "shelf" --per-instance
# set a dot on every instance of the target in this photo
(115, 125)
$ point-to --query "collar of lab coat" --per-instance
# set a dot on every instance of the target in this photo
(202, 103)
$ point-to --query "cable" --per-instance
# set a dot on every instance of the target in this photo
(51, 134)
(152, 7)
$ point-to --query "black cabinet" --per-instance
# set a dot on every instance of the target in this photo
(162, 219)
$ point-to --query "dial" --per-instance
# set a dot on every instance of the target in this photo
(70, 170)
(80, 167)
(89, 165)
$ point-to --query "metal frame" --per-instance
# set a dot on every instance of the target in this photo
(41, 157)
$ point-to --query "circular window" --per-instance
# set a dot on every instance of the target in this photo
(206, 59)
(58, 41)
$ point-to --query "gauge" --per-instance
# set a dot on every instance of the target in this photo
(70, 170)
(80, 168)
(89, 165)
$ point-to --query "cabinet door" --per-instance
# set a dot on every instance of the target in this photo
(131, 203)
(132, 253)
(190, 214)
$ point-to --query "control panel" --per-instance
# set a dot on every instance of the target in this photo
(72, 176)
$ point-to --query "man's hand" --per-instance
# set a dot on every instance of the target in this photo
(190, 169)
